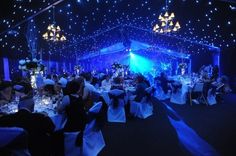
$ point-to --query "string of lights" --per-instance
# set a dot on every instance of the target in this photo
(209, 26)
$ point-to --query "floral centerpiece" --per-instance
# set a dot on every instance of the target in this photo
(182, 65)
(119, 69)
(117, 66)
(77, 69)
(33, 65)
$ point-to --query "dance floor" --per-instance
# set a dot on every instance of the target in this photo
(213, 126)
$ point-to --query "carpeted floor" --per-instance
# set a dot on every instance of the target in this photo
(152, 136)
(215, 124)
(156, 136)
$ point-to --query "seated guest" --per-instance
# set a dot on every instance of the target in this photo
(62, 82)
(106, 83)
(215, 73)
(73, 106)
(5, 92)
(38, 126)
(55, 78)
(201, 70)
(117, 84)
(205, 77)
(140, 88)
(208, 69)
(49, 80)
(95, 82)
(58, 89)
(88, 87)
(48, 88)
(225, 81)
(164, 82)
(25, 93)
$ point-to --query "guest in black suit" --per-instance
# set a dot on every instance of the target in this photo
(38, 126)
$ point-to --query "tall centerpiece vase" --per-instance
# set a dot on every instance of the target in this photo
(183, 71)
(33, 79)
(77, 69)
(31, 68)
(183, 67)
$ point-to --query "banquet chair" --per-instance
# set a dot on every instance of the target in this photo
(92, 138)
(159, 93)
(178, 96)
(144, 108)
(116, 110)
(95, 96)
(14, 141)
(59, 121)
(198, 88)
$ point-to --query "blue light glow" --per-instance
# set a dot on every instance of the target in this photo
(140, 64)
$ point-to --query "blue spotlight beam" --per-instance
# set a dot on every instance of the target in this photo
(140, 64)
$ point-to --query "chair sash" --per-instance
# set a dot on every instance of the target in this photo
(176, 87)
(95, 114)
(149, 92)
(198, 87)
(116, 98)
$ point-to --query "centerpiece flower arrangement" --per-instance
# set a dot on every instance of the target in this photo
(117, 66)
(33, 65)
(77, 69)
(119, 69)
(183, 67)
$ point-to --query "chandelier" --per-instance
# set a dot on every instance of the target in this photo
(166, 23)
(54, 32)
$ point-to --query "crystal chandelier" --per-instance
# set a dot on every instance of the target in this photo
(167, 23)
(54, 32)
